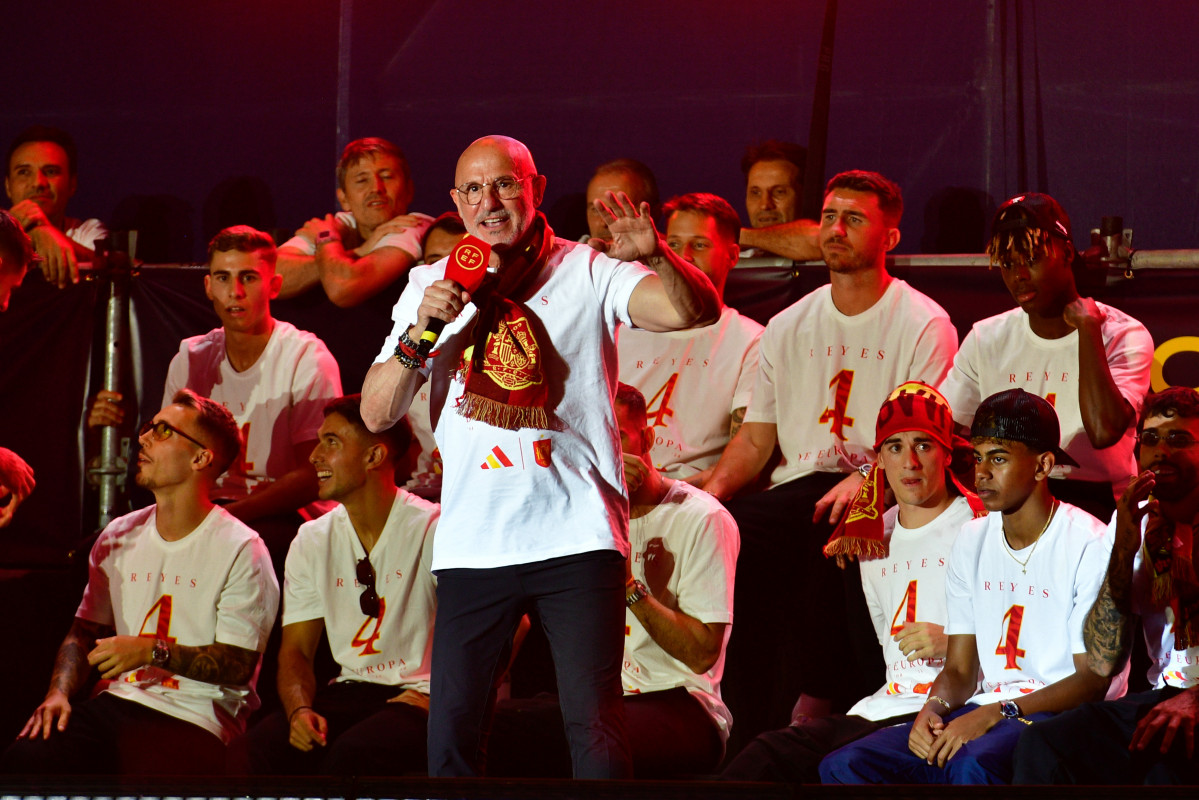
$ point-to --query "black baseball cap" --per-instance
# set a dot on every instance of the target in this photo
(1020, 416)
(1032, 210)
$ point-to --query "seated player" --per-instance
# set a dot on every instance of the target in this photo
(1091, 361)
(40, 181)
(1149, 737)
(359, 574)
(903, 555)
(1003, 587)
(371, 242)
(774, 174)
(179, 601)
(698, 381)
(826, 364)
(679, 596)
(275, 378)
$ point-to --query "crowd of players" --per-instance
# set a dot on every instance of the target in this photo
(602, 444)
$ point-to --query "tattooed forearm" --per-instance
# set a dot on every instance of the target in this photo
(214, 663)
(1107, 632)
(738, 417)
(70, 665)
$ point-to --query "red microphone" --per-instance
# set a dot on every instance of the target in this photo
(467, 268)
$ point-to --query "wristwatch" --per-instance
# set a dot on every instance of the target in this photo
(161, 654)
(864, 470)
(1010, 710)
(324, 237)
(639, 593)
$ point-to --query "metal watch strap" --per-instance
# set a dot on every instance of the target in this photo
(639, 593)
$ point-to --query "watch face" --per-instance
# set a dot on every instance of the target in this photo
(1009, 708)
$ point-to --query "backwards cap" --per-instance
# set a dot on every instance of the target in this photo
(1032, 210)
(1019, 416)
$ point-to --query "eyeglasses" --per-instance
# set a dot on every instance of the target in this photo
(368, 601)
(1178, 440)
(506, 188)
(161, 431)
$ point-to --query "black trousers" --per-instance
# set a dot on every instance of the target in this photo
(366, 736)
(1089, 745)
(802, 624)
(108, 735)
(670, 736)
(580, 600)
(793, 754)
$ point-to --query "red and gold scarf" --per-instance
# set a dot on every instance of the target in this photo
(860, 532)
(503, 369)
(1168, 548)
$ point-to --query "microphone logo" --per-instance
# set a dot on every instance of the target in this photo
(469, 257)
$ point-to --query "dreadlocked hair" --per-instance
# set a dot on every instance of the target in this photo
(1030, 243)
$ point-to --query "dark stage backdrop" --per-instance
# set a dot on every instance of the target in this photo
(192, 116)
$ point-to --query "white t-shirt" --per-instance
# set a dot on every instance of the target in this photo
(214, 585)
(1002, 352)
(908, 585)
(1027, 627)
(1167, 666)
(702, 538)
(85, 232)
(426, 478)
(822, 375)
(408, 240)
(692, 381)
(320, 582)
(515, 497)
(278, 402)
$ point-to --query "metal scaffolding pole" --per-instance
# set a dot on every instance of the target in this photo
(109, 472)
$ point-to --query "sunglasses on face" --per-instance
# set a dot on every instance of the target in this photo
(161, 431)
(1178, 440)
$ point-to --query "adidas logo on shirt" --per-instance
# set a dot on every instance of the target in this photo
(496, 459)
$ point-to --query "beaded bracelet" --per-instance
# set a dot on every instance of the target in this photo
(406, 352)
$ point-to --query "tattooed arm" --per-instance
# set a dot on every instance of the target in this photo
(1107, 632)
(211, 663)
(71, 669)
(214, 663)
(736, 420)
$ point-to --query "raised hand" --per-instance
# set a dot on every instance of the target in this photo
(634, 235)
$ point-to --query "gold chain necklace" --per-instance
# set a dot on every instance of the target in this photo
(1024, 564)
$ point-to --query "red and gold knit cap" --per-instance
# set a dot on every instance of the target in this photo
(915, 406)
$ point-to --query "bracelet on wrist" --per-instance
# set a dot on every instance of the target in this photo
(639, 591)
(296, 710)
(932, 698)
(406, 352)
